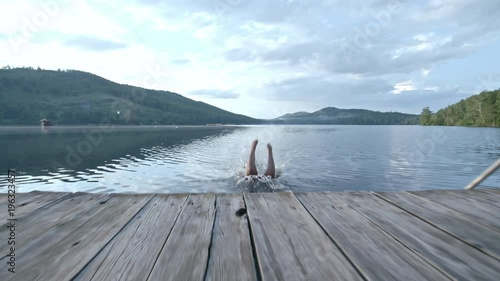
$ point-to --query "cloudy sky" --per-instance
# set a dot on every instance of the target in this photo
(265, 58)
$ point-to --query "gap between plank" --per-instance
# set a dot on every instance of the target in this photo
(256, 262)
(69, 217)
(210, 246)
(358, 270)
(436, 226)
(112, 238)
(47, 203)
(464, 216)
(95, 272)
(402, 243)
(170, 232)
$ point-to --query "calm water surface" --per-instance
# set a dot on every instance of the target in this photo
(212, 159)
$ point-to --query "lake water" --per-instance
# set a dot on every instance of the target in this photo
(169, 159)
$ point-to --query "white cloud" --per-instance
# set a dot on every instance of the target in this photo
(403, 87)
(273, 54)
(218, 94)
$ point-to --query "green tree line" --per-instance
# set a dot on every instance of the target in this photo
(337, 116)
(75, 97)
(482, 110)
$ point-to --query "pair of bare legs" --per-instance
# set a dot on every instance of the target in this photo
(252, 169)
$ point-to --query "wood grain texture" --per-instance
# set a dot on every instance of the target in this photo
(185, 254)
(378, 255)
(467, 205)
(491, 190)
(63, 236)
(476, 234)
(489, 197)
(37, 222)
(28, 202)
(133, 252)
(231, 255)
(289, 244)
(61, 252)
(457, 258)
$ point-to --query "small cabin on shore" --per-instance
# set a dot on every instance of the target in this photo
(45, 123)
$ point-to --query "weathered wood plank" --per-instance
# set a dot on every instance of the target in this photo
(376, 253)
(4, 202)
(231, 252)
(61, 252)
(491, 190)
(120, 240)
(133, 252)
(28, 202)
(290, 245)
(485, 196)
(476, 234)
(457, 258)
(185, 254)
(467, 206)
(40, 220)
(22, 196)
(489, 197)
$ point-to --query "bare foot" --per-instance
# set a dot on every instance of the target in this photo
(251, 168)
(271, 171)
(254, 144)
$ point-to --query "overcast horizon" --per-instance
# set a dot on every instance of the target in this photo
(267, 58)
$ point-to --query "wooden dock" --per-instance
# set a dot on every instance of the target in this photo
(424, 235)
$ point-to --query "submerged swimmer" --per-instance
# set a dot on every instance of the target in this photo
(252, 169)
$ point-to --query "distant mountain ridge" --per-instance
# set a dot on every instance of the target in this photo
(76, 97)
(333, 115)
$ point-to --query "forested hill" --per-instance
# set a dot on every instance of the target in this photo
(75, 97)
(482, 110)
(332, 115)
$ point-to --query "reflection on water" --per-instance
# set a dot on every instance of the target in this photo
(212, 159)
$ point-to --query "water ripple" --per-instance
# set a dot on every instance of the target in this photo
(201, 159)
